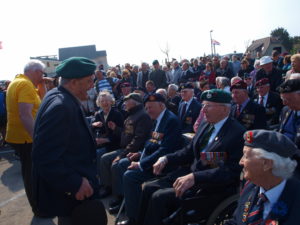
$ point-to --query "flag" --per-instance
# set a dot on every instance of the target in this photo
(1, 45)
(214, 42)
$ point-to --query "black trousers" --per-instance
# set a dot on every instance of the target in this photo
(24, 151)
(159, 201)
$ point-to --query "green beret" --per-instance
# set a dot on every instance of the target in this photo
(155, 62)
(135, 96)
(216, 95)
(75, 67)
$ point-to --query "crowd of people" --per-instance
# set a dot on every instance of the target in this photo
(155, 136)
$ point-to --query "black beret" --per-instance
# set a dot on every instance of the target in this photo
(155, 98)
(90, 212)
(238, 85)
(75, 67)
(271, 141)
(289, 86)
(186, 86)
(135, 96)
(216, 95)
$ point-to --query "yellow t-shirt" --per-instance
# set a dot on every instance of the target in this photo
(20, 90)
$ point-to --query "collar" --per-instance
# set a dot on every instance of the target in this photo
(243, 105)
(274, 193)
(265, 96)
(158, 119)
(219, 124)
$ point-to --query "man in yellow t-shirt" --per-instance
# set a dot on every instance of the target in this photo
(22, 102)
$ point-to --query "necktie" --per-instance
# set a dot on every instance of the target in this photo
(255, 216)
(206, 135)
(183, 110)
(238, 111)
(261, 101)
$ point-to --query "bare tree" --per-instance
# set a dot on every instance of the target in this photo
(166, 50)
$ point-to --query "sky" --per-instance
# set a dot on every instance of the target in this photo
(136, 30)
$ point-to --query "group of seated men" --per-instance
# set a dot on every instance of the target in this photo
(143, 157)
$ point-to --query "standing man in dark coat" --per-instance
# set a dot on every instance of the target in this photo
(270, 196)
(64, 150)
(209, 162)
(269, 71)
(158, 76)
(269, 100)
(248, 113)
(189, 108)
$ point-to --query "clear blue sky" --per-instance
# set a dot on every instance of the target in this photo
(134, 30)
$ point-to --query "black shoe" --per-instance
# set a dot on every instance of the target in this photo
(43, 216)
(104, 192)
(115, 202)
(127, 222)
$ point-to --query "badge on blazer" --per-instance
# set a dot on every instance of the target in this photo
(129, 129)
(188, 120)
(156, 137)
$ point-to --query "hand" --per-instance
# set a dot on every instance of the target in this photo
(97, 124)
(133, 156)
(111, 125)
(160, 165)
(85, 190)
(183, 183)
(101, 141)
(134, 166)
(116, 159)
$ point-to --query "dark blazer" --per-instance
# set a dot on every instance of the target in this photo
(285, 115)
(252, 117)
(273, 107)
(168, 140)
(288, 203)
(229, 140)
(159, 78)
(64, 152)
(188, 76)
(190, 116)
(105, 132)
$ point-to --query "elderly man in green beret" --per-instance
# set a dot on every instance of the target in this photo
(64, 149)
(209, 163)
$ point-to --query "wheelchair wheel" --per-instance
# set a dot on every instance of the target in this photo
(224, 211)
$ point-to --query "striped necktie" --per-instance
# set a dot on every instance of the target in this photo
(261, 101)
(256, 214)
(238, 111)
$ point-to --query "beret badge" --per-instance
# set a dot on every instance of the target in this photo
(249, 137)
(152, 98)
(209, 95)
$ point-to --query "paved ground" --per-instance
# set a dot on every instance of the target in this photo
(14, 207)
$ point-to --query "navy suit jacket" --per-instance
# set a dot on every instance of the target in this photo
(285, 211)
(273, 107)
(252, 117)
(190, 116)
(171, 141)
(229, 139)
(64, 152)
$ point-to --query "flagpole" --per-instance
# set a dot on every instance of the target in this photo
(211, 44)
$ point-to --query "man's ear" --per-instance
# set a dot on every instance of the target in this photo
(267, 164)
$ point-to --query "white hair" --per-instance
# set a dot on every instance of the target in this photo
(223, 81)
(282, 167)
(162, 91)
(105, 94)
(294, 76)
(173, 87)
(34, 65)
